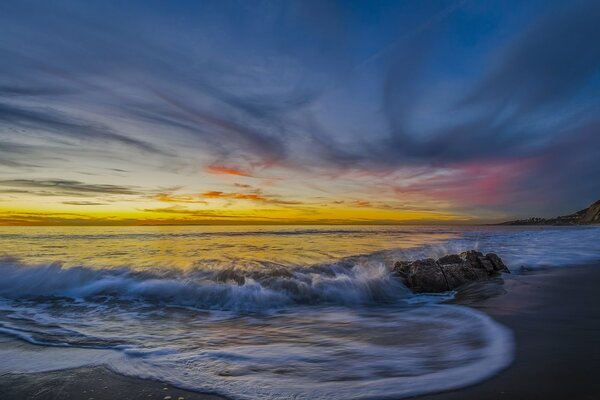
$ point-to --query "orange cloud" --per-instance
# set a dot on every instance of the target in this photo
(362, 203)
(225, 170)
(213, 195)
(169, 198)
(258, 197)
(234, 195)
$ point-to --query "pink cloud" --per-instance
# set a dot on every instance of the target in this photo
(487, 183)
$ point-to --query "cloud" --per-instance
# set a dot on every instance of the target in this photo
(61, 187)
(551, 61)
(488, 183)
(257, 196)
(174, 198)
(315, 89)
(83, 203)
(221, 169)
(185, 211)
(48, 120)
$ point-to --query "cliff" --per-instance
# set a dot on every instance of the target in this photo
(590, 215)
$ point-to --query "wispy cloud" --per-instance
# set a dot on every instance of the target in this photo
(48, 120)
(225, 170)
(83, 203)
(257, 196)
(60, 187)
(425, 103)
(174, 198)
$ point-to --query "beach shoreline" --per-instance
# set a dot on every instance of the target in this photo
(552, 313)
(554, 317)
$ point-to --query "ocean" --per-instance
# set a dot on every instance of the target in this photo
(269, 312)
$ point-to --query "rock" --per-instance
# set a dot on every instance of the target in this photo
(401, 268)
(449, 272)
(497, 262)
(230, 275)
(590, 215)
(450, 259)
(459, 274)
(485, 264)
(471, 256)
(426, 276)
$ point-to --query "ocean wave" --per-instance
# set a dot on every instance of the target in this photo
(309, 353)
(249, 328)
(344, 356)
(322, 231)
(269, 286)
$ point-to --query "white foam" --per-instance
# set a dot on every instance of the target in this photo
(307, 353)
(19, 358)
(458, 347)
(357, 283)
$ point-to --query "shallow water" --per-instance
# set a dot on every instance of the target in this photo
(260, 312)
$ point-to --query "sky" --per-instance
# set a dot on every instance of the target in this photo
(284, 112)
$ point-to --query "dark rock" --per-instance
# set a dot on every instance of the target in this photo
(592, 214)
(239, 276)
(449, 272)
(485, 264)
(230, 275)
(459, 274)
(497, 262)
(450, 259)
(471, 256)
(426, 276)
(402, 267)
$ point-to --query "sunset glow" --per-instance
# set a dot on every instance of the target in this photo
(388, 116)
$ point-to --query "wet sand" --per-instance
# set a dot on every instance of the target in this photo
(554, 314)
(555, 317)
(97, 383)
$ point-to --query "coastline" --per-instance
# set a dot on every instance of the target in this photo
(553, 314)
(555, 318)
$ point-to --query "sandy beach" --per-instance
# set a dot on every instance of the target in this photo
(96, 383)
(552, 313)
(556, 323)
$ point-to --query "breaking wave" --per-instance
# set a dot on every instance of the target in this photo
(296, 326)
(270, 286)
(264, 331)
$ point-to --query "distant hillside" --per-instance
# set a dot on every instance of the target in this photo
(590, 215)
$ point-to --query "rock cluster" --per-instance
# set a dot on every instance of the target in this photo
(449, 272)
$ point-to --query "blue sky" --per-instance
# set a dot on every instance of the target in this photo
(357, 111)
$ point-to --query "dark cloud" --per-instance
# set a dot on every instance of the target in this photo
(16, 155)
(48, 120)
(60, 187)
(547, 65)
(287, 84)
(213, 96)
(551, 61)
(10, 91)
